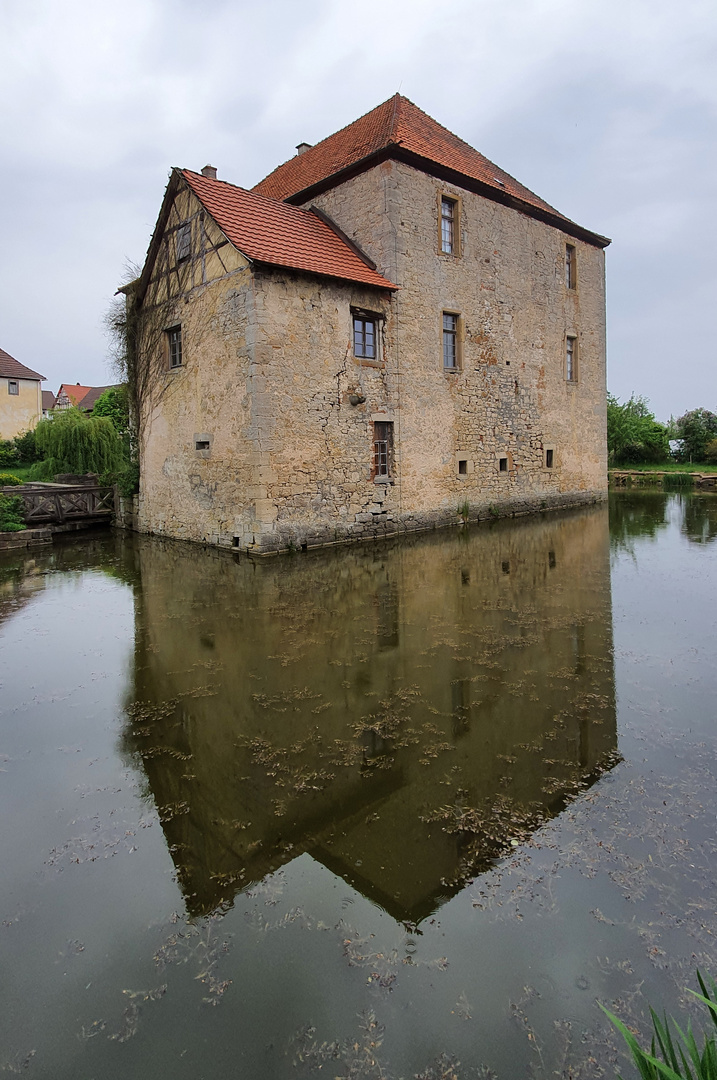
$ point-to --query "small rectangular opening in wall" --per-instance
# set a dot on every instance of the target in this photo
(201, 444)
(505, 566)
(503, 464)
(548, 459)
(462, 467)
(551, 560)
(236, 541)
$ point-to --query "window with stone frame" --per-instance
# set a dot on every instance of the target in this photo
(382, 449)
(364, 332)
(448, 225)
(174, 346)
(571, 358)
(570, 267)
(451, 341)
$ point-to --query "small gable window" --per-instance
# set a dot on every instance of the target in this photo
(13, 387)
(184, 241)
(174, 346)
(364, 337)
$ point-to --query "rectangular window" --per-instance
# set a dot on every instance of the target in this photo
(174, 343)
(382, 448)
(184, 241)
(503, 464)
(448, 226)
(570, 278)
(364, 337)
(450, 341)
(462, 467)
(548, 459)
(571, 368)
(13, 387)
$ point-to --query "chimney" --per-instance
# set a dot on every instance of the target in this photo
(210, 172)
(302, 148)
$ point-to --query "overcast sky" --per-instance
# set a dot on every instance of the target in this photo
(605, 108)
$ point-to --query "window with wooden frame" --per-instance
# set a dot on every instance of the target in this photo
(451, 341)
(364, 334)
(571, 277)
(174, 346)
(184, 241)
(13, 387)
(571, 358)
(382, 449)
(449, 225)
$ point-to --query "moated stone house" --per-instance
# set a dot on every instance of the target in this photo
(384, 330)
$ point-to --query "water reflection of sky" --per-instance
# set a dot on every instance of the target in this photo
(303, 812)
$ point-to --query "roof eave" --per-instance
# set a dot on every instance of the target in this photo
(399, 153)
(389, 287)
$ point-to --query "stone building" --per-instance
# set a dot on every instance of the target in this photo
(386, 333)
(20, 397)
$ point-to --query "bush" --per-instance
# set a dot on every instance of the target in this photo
(11, 513)
(634, 436)
(8, 452)
(8, 480)
(26, 447)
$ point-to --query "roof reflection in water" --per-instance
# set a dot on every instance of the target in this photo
(401, 711)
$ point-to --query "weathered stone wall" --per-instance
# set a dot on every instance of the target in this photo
(19, 412)
(510, 397)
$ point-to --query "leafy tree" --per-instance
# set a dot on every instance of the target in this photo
(114, 404)
(73, 442)
(633, 433)
(695, 430)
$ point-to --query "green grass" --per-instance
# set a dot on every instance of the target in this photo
(669, 466)
(20, 471)
(680, 1056)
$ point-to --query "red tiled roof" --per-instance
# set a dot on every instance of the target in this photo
(10, 368)
(74, 392)
(273, 232)
(93, 393)
(401, 125)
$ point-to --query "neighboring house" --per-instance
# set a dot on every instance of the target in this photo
(48, 403)
(20, 397)
(83, 397)
(386, 329)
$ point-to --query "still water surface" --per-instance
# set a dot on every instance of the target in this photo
(401, 810)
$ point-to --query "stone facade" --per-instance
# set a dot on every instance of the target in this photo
(262, 438)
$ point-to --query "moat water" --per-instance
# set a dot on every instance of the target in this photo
(400, 810)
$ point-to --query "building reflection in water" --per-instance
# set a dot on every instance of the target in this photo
(401, 711)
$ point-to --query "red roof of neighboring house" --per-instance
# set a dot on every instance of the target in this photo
(396, 128)
(273, 232)
(73, 391)
(10, 368)
(83, 396)
(48, 400)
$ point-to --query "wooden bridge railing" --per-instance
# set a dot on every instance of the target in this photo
(63, 505)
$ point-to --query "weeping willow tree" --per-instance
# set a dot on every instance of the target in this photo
(73, 442)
